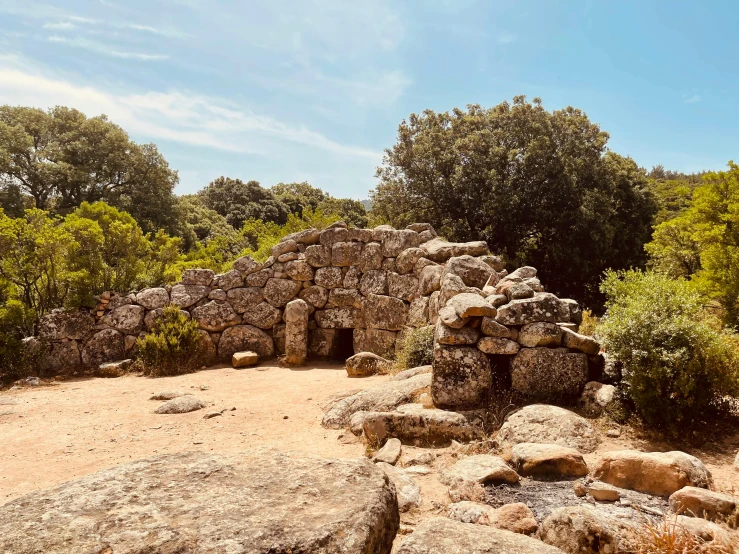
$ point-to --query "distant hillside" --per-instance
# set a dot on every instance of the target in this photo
(367, 204)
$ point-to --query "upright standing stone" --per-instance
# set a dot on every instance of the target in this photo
(296, 332)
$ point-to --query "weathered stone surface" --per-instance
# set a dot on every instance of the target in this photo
(246, 265)
(218, 294)
(258, 278)
(596, 397)
(323, 342)
(462, 377)
(167, 395)
(227, 281)
(470, 305)
(371, 257)
(420, 227)
(279, 292)
(63, 324)
(389, 453)
(551, 460)
(603, 492)
(253, 502)
(153, 298)
(373, 281)
(206, 353)
(289, 257)
(443, 535)
(385, 312)
(585, 530)
(243, 299)
(429, 279)
(449, 317)
(202, 277)
(60, 356)
(244, 359)
(307, 236)
(127, 319)
(406, 261)
(340, 318)
(544, 424)
(181, 405)
(697, 502)
(574, 309)
(447, 335)
(352, 277)
(331, 236)
(418, 313)
(345, 254)
(360, 235)
(721, 539)
(439, 250)
(245, 337)
(299, 270)
(344, 298)
(412, 372)
(434, 307)
(497, 345)
(284, 247)
(549, 373)
(402, 286)
(263, 315)
(583, 343)
(394, 242)
(517, 517)
(482, 469)
(329, 277)
(541, 333)
(296, 332)
(474, 272)
(314, 295)
(318, 256)
(377, 341)
(185, 296)
(409, 493)
(658, 473)
(381, 397)
(104, 346)
(215, 316)
(542, 307)
(420, 427)
(515, 291)
(365, 364)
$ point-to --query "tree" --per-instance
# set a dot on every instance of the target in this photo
(61, 158)
(538, 186)
(299, 196)
(238, 201)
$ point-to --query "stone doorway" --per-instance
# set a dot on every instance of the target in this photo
(344, 344)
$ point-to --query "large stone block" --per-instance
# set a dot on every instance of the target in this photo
(104, 346)
(438, 250)
(128, 319)
(323, 343)
(474, 272)
(329, 277)
(60, 356)
(339, 318)
(402, 286)
(279, 292)
(198, 277)
(385, 312)
(371, 257)
(542, 307)
(296, 332)
(315, 295)
(345, 254)
(66, 324)
(153, 298)
(215, 316)
(377, 341)
(264, 315)
(245, 337)
(373, 281)
(318, 256)
(243, 299)
(462, 378)
(553, 374)
(184, 296)
(395, 242)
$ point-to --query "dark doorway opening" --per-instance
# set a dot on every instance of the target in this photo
(345, 344)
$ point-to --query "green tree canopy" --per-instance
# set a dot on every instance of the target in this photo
(238, 201)
(538, 186)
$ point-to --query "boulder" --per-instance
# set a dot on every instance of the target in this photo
(227, 281)
(402, 286)
(551, 460)
(206, 351)
(468, 305)
(420, 227)
(245, 337)
(474, 272)
(244, 359)
(373, 281)
(365, 364)
(104, 346)
(447, 335)
(394, 242)
(314, 295)
(258, 278)
(352, 278)
(438, 250)
(720, 539)
(596, 397)
(329, 277)
(215, 316)
(128, 319)
(332, 235)
(345, 254)
(344, 298)
(360, 235)
(263, 315)
(376, 341)
(406, 261)
(603, 492)
(244, 299)
(541, 333)
(184, 296)
(544, 424)
(307, 236)
(496, 345)
(443, 535)
(340, 318)
(279, 292)
(492, 328)
(462, 377)
(408, 492)
(167, 395)
(552, 374)
(657, 473)
(420, 427)
(429, 279)
(449, 317)
(299, 270)
(515, 291)
(418, 313)
(202, 277)
(371, 257)
(481, 468)
(585, 530)
(542, 307)
(181, 405)
(296, 332)
(246, 265)
(381, 397)
(318, 256)
(257, 501)
(385, 312)
(60, 356)
(389, 453)
(582, 343)
(517, 517)
(154, 298)
(114, 369)
(412, 372)
(284, 247)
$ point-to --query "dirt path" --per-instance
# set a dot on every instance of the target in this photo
(51, 434)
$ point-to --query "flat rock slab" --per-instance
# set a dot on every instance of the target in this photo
(481, 468)
(181, 405)
(257, 502)
(167, 394)
(424, 427)
(442, 535)
(551, 460)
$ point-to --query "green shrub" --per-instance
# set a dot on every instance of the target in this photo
(171, 346)
(417, 348)
(678, 361)
(589, 323)
(16, 322)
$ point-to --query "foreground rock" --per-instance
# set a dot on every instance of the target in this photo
(482, 469)
(657, 473)
(181, 405)
(531, 459)
(421, 427)
(244, 359)
(389, 453)
(167, 395)
(365, 364)
(442, 535)
(407, 490)
(543, 424)
(697, 502)
(584, 530)
(206, 503)
(516, 517)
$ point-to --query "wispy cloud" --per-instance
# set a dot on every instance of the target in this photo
(692, 99)
(100, 48)
(61, 26)
(506, 38)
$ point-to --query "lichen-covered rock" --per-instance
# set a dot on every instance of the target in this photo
(394, 242)
(307, 236)
(246, 265)
(296, 332)
(227, 281)
(541, 333)
(702, 503)
(323, 343)
(371, 257)
(364, 364)
(318, 256)
(406, 261)
(340, 318)
(314, 295)
(409, 493)
(377, 341)
(439, 250)
(332, 235)
(420, 427)
(402, 286)
(352, 277)
(516, 517)
(66, 324)
(258, 278)
(329, 277)
(385, 312)
(474, 272)
(549, 373)
(447, 335)
(480, 468)
(498, 345)
(202, 277)
(544, 424)
(344, 298)
(245, 337)
(244, 299)
(215, 316)
(252, 502)
(279, 292)
(389, 453)
(181, 405)
(596, 397)
(657, 473)
(550, 460)
(345, 254)
(206, 352)
(585, 530)
(104, 346)
(462, 377)
(542, 307)
(299, 270)
(583, 343)
(284, 247)
(470, 305)
(127, 319)
(60, 356)
(360, 235)
(373, 281)
(184, 296)
(429, 279)
(153, 298)
(263, 315)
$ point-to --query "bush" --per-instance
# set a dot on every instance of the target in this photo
(678, 361)
(417, 348)
(171, 346)
(16, 322)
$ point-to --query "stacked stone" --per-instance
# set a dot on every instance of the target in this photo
(496, 330)
(379, 282)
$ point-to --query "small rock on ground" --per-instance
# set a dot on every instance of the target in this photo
(389, 453)
(167, 395)
(181, 405)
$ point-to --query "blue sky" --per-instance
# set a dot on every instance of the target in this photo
(293, 90)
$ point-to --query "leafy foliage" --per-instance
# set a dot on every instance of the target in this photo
(170, 347)
(538, 186)
(16, 322)
(417, 348)
(677, 359)
(238, 201)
